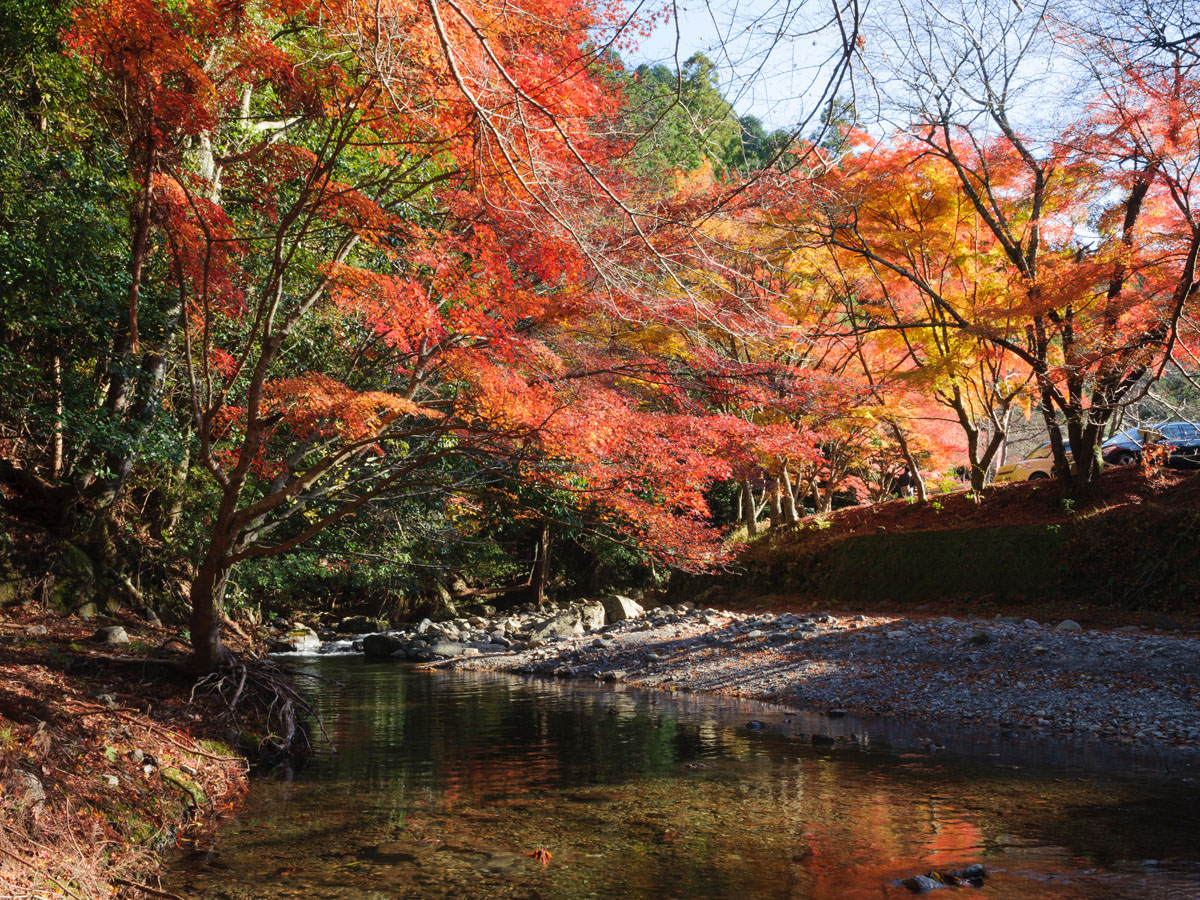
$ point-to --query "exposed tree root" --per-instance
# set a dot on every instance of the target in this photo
(261, 702)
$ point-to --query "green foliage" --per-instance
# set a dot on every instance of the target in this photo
(64, 239)
(760, 148)
(680, 120)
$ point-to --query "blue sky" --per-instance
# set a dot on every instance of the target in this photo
(773, 55)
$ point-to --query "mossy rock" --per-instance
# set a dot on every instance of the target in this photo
(185, 784)
(217, 748)
(141, 831)
(13, 592)
(71, 596)
(75, 563)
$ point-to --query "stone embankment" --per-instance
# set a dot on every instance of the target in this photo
(1019, 675)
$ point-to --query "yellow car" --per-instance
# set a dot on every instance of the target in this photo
(1037, 465)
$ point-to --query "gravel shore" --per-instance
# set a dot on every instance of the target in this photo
(1061, 681)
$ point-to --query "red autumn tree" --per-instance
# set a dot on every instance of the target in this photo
(1094, 245)
(394, 241)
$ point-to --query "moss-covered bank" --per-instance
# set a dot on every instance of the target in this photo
(1132, 561)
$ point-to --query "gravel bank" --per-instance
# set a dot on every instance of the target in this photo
(1119, 686)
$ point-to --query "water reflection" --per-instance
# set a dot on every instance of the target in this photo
(444, 783)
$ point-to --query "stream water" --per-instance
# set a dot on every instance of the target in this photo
(443, 783)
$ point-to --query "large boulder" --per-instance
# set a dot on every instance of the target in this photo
(564, 624)
(451, 650)
(618, 608)
(381, 646)
(24, 793)
(112, 634)
(359, 625)
(592, 615)
(571, 621)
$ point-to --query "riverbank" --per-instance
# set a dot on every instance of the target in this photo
(1027, 680)
(1129, 554)
(104, 766)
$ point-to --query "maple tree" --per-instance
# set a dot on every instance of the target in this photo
(901, 278)
(388, 230)
(1081, 289)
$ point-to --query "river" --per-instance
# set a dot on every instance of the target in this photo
(443, 783)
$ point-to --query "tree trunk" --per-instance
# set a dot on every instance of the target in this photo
(913, 469)
(814, 490)
(170, 498)
(120, 389)
(775, 502)
(541, 567)
(789, 498)
(749, 511)
(56, 456)
(208, 652)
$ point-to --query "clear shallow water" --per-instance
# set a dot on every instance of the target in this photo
(443, 782)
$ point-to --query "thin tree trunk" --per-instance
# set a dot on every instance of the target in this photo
(749, 511)
(120, 393)
(911, 462)
(56, 457)
(541, 567)
(775, 502)
(171, 496)
(789, 498)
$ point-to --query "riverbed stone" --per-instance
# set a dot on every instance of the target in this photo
(618, 608)
(450, 649)
(359, 625)
(592, 615)
(1069, 625)
(111, 634)
(486, 647)
(919, 884)
(381, 646)
(560, 625)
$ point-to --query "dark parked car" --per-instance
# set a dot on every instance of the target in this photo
(1122, 449)
(1183, 437)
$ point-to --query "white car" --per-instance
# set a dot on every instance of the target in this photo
(1037, 465)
